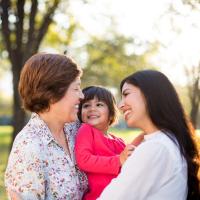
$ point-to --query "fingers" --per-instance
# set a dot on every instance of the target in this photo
(129, 149)
(138, 139)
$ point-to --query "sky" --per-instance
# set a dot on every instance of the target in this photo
(146, 21)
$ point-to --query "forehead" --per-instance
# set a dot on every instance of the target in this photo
(94, 99)
(128, 86)
(77, 81)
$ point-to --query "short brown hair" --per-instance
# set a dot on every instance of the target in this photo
(102, 94)
(44, 80)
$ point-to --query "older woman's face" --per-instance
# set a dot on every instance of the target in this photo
(66, 109)
(133, 105)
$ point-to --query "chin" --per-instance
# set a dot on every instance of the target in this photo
(72, 119)
(131, 124)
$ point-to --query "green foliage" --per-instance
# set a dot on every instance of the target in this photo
(111, 59)
(5, 137)
(60, 37)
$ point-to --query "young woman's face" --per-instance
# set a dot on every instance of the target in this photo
(96, 113)
(66, 109)
(133, 106)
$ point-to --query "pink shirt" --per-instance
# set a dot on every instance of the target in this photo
(98, 156)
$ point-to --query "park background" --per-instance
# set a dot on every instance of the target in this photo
(109, 39)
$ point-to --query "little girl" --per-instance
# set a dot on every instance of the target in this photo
(98, 153)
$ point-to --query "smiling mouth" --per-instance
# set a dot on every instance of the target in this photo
(93, 117)
(126, 114)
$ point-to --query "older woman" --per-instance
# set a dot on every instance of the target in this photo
(166, 164)
(42, 164)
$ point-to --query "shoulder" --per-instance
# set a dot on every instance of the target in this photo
(27, 145)
(27, 137)
(72, 128)
(158, 148)
(86, 127)
(165, 142)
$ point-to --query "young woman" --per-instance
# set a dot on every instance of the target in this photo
(166, 164)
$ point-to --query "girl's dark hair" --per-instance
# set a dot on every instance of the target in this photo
(166, 112)
(102, 94)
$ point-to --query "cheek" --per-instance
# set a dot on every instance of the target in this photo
(83, 114)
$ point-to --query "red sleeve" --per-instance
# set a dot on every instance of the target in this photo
(85, 157)
(119, 144)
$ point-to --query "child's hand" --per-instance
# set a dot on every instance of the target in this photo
(126, 153)
(138, 140)
(128, 150)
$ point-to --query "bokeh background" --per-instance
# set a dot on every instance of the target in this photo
(109, 39)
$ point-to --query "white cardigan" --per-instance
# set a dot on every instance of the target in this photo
(155, 171)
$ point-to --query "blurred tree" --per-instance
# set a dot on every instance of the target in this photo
(193, 76)
(108, 60)
(192, 72)
(23, 25)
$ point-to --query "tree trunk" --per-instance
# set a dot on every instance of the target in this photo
(18, 113)
(193, 115)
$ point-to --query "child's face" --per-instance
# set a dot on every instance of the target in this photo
(96, 113)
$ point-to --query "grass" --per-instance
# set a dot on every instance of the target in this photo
(5, 137)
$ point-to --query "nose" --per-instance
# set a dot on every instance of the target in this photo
(81, 95)
(121, 105)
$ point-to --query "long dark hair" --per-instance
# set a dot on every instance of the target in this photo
(166, 112)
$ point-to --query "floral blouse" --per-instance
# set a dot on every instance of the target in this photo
(38, 168)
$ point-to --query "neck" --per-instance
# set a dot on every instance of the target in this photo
(148, 127)
(54, 124)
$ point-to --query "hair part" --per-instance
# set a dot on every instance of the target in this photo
(102, 94)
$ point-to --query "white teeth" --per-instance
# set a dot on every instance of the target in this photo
(93, 117)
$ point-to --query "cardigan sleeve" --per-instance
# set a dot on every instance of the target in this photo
(87, 160)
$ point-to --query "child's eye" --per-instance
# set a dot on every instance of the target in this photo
(100, 104)
(85, 105)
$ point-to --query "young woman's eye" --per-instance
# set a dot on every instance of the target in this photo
(125, 94)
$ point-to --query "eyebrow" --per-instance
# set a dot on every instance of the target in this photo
(125, 91)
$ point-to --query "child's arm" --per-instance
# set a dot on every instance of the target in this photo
(86, 158)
